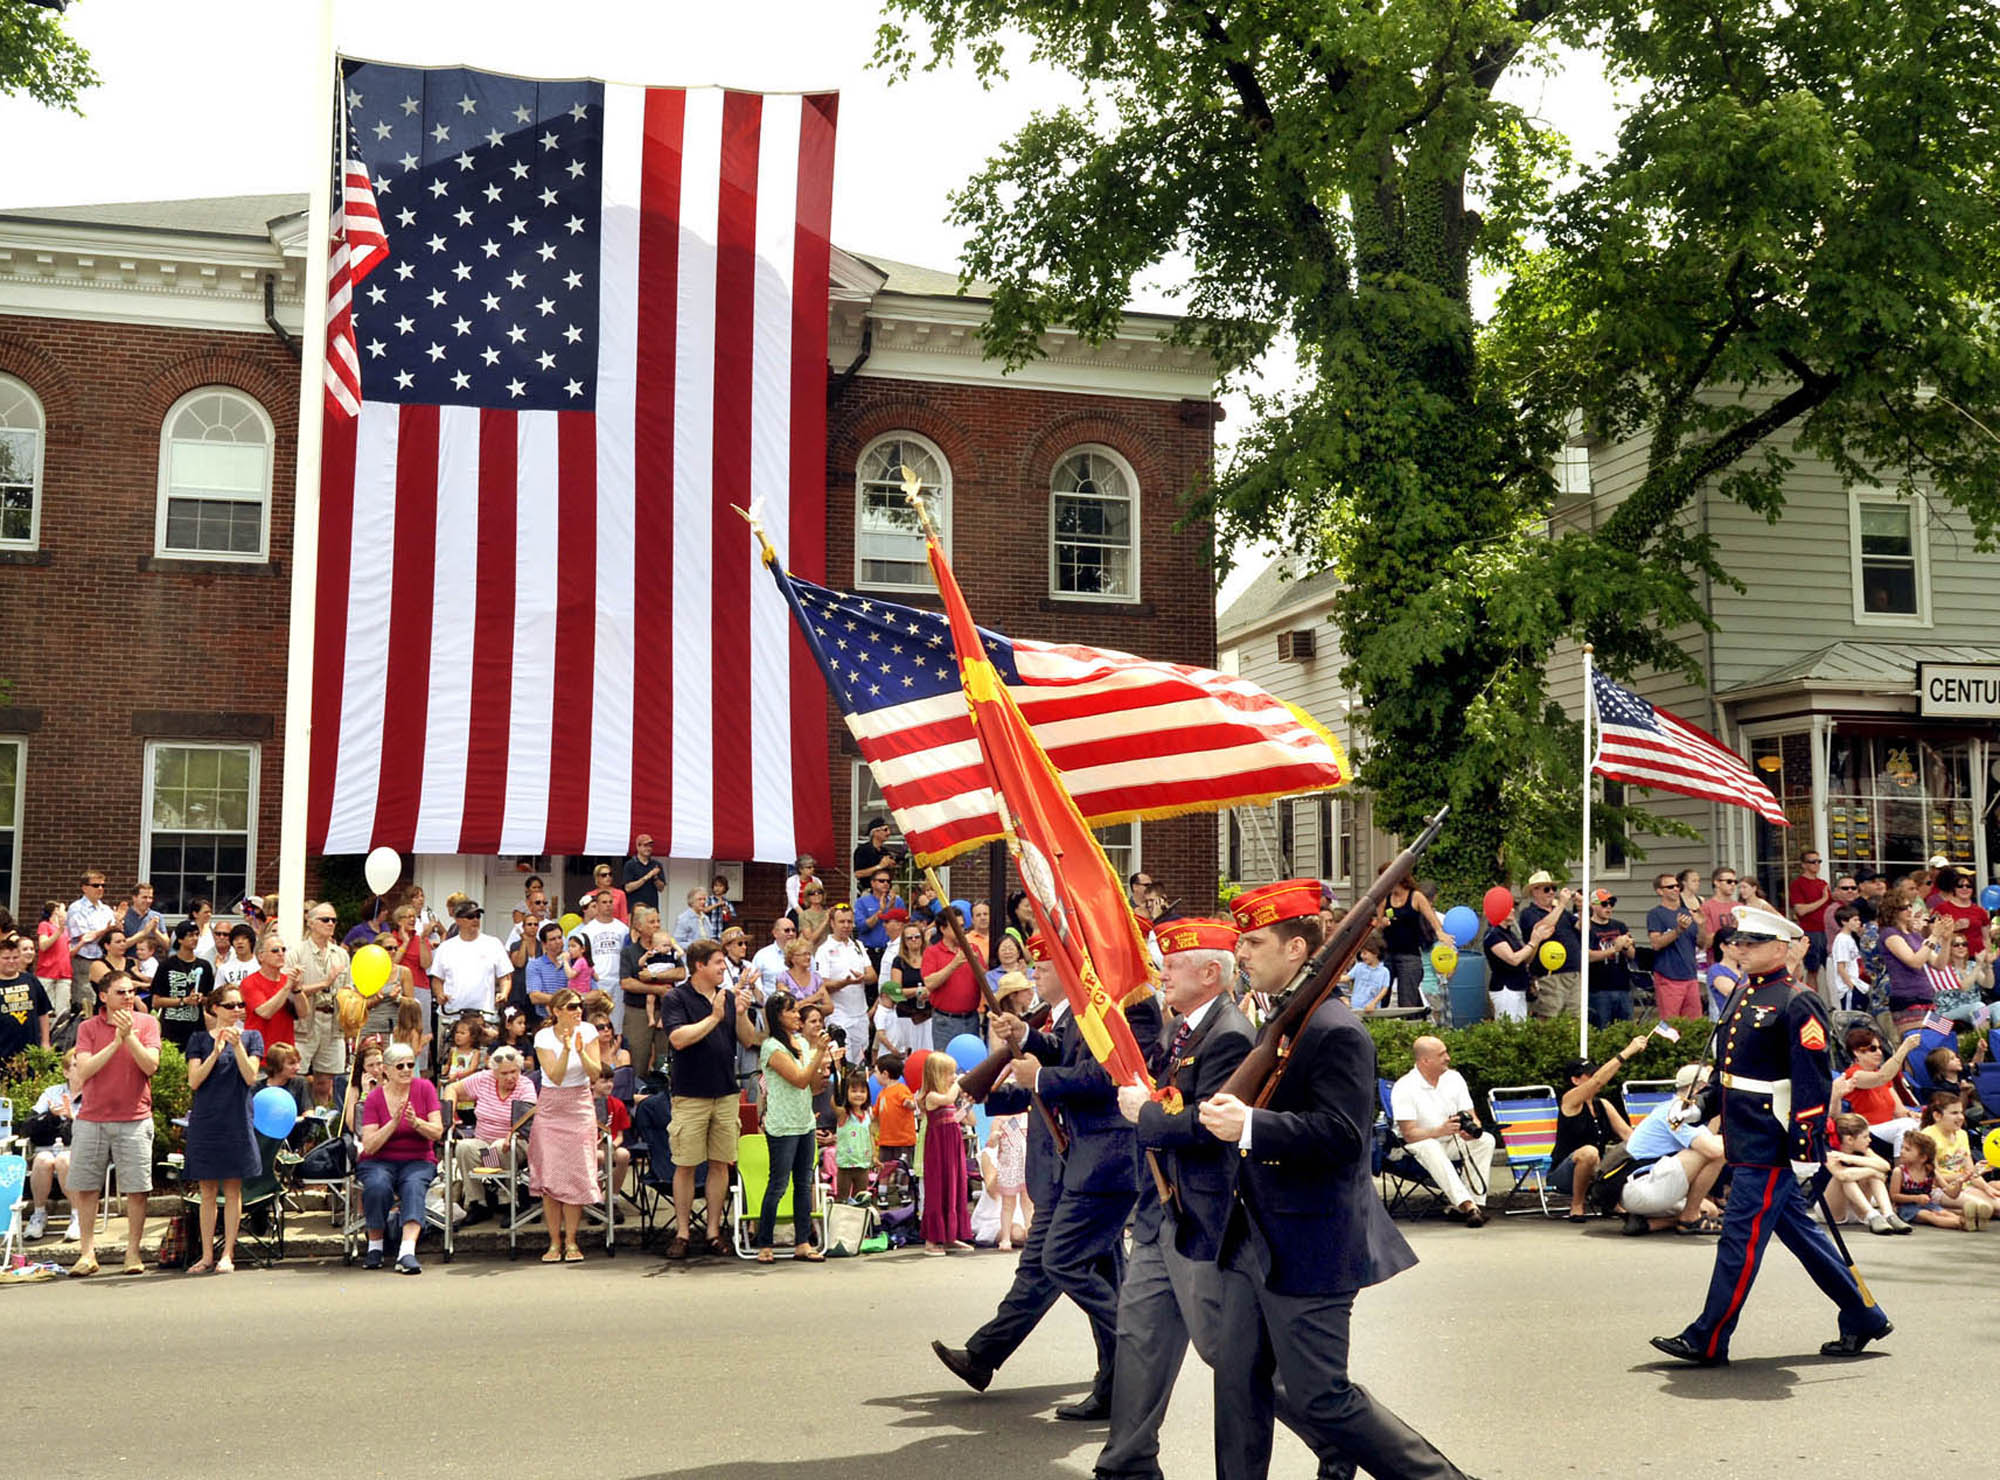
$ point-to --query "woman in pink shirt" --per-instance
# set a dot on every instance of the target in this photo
(52, 962)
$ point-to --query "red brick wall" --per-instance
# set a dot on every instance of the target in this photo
(1003, 444)
(92, 639)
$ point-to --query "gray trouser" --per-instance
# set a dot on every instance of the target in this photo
(1302, 1341)
(1167, 1300)
(1557, 993)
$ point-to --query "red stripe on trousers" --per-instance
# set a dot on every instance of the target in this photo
(336, 542)
(1749, 1270)
(406, 700)
(728, 573)
(576, 631)
(653, 463)
(805, 551)
(485, 809)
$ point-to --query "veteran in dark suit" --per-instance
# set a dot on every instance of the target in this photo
(1306, 1231)
(1173, 1286)
(1033, 1292)
(1084, 1250)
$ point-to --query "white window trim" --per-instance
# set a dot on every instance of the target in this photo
(20, 743)
(34, 539)
(1919, 512)
(1056, 593)
(860, 500)
(256, 754)
(160, 547)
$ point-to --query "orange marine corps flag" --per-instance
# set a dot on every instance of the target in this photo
(1092, 934)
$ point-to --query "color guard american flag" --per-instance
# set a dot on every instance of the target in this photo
(569, 324)
(1645, 745)
(1130, 737)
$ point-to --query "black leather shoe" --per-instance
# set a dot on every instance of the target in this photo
(1336, 1469)
(963, 1367)
(1851, 1346)
(1091, 1410)
(1681, 1349)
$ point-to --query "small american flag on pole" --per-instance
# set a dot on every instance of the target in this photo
(1645, 745)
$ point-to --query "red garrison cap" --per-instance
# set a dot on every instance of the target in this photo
(1288, 899)
(1038, 948)
(1196, 935)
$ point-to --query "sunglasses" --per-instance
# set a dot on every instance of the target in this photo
(404, 1064)
(230, 1006)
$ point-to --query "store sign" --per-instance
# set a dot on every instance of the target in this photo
(1958, 690)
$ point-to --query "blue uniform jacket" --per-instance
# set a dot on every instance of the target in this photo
(1199, 1168)
(1103, 1155)
(1044, 1176)
(1306, 1199)
(1776, 1072)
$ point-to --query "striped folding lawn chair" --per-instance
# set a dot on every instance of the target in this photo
(1641, 1097)
(1526, 1115)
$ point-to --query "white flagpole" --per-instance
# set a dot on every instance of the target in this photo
(1583, 1021)
(305, 494)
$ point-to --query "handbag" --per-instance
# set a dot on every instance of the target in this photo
(173, 1250)
(329, 1162)
(848, 1225)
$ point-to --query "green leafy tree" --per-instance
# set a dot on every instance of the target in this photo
(1794, 245)
(39, 58)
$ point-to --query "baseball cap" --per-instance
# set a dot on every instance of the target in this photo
(1603, 896)
(467, 909)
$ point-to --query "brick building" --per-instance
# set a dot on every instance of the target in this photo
(148, 390)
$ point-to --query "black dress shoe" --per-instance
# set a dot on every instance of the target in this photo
(1851, 1345)
(1091, 1410)
(962, 1366)
(1336, 1469)
(1680, 1348)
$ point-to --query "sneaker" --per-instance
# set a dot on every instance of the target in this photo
(372, 1259)
(407, 1264)
(1635, 1226)
(38, 1221)
(74, 1233)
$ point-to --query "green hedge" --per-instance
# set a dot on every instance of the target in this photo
(28, 1073)
(1498, 1052)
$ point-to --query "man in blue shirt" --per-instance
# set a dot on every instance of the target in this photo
(1671, 930)
(875, 912)
(1676, 1159)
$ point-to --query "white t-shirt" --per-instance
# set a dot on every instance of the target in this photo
(471, 971)
(837, 957)
(232, 969)
(606, 940)
(574, 1075)
(1846, 949)
(769, 964)
(1415, 1098)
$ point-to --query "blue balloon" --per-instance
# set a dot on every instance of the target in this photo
(967, 1051)
(1461, 924)
(874, 1090)
(964, 908)
(274, 1112)
(1990, 896)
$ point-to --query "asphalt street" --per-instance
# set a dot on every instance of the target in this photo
(1520, 1349)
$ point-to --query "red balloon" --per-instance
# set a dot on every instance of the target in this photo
(1499, 904)
(913, 1068)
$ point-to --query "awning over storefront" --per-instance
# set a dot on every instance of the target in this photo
(1852, 676)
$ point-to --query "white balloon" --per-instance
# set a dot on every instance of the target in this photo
(383, 868)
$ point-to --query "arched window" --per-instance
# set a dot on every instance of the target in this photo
(215, 477)
(888, 541)
(21, 426)
(1094, 526)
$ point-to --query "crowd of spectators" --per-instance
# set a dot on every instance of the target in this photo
(559, 1031)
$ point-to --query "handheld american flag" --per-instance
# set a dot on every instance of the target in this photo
(1093, 937)
(569, 324)
(1130, 737)
(1645, 745)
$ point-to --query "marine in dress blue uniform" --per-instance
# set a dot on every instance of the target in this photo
(1776, 1074)
(1306, 1230)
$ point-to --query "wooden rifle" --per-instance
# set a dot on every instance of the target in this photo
(1256, 1078)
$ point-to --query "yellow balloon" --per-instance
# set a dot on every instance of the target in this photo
(1553, 955)
(1992, 1148)
(1444, 956)
(569, 922)
(371, 969)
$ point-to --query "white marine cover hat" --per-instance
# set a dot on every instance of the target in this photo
(1763, 924)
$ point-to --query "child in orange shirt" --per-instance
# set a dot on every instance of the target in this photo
(895, 1113)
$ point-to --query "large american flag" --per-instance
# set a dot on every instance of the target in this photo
(1649, 746)
(1130, 737)
(582, 320)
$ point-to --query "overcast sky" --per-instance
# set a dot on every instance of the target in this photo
(212, 97)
